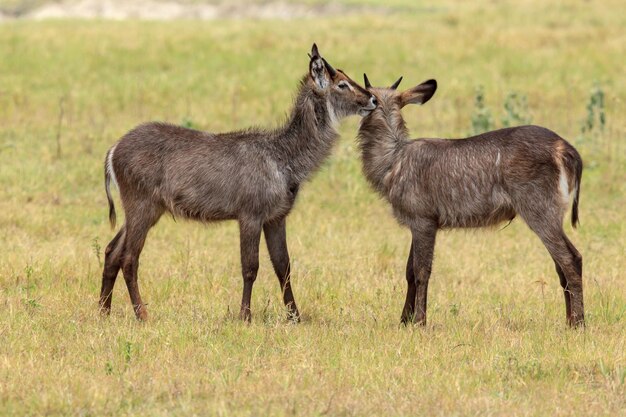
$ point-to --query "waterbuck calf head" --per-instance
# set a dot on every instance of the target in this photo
(344, 96)
(391, 101)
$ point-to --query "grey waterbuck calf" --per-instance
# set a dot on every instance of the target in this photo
(480, 181)
(251, 176)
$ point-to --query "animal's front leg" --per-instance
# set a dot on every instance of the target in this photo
(249, 237)
(409, 304)
(276, 239)
(424, 234)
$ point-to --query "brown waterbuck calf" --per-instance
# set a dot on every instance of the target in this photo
(480, 181)
(251, 176)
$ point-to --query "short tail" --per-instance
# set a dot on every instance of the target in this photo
(108, 176)
(574, 165)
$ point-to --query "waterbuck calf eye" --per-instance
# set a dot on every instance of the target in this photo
(343, 85)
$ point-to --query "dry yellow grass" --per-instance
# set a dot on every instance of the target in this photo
(496, 342)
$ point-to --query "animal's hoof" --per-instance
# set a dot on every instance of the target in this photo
(407, 317)
(420, 320)
(141, 313)
(576, 322)
(293, 316)
(245, 315)
(104, 311)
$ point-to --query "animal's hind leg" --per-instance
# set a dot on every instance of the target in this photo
(112, 264)
(566, 294)
(566, 258)
(577, 316)
(138, 223)
(409, 304)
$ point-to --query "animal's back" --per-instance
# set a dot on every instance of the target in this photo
(469, 182)
(195, 174)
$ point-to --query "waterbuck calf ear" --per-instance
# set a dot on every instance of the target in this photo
(314, 52)
(321, 72)
(419, 94)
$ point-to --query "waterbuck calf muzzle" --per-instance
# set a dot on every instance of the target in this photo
(371, 105)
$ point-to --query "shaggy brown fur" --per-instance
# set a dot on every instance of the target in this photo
(475, 182)
(251, 176)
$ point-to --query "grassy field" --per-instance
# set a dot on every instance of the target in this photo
(496, 342)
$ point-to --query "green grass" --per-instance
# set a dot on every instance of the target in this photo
(496, 342)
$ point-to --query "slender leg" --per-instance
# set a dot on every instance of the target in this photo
(112, 265)
(424, 234)
(130, 266)
(138, 223)
(568, 263)
(249, 237)
(543, 212)
(575, 286)
(566, 294)
(409, 304)
(276, 239)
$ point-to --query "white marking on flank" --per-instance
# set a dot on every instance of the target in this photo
(498, 159)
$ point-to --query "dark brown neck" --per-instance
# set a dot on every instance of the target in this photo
(381, 135)
(307, 138)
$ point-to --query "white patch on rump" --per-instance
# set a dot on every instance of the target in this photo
(110, 165)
